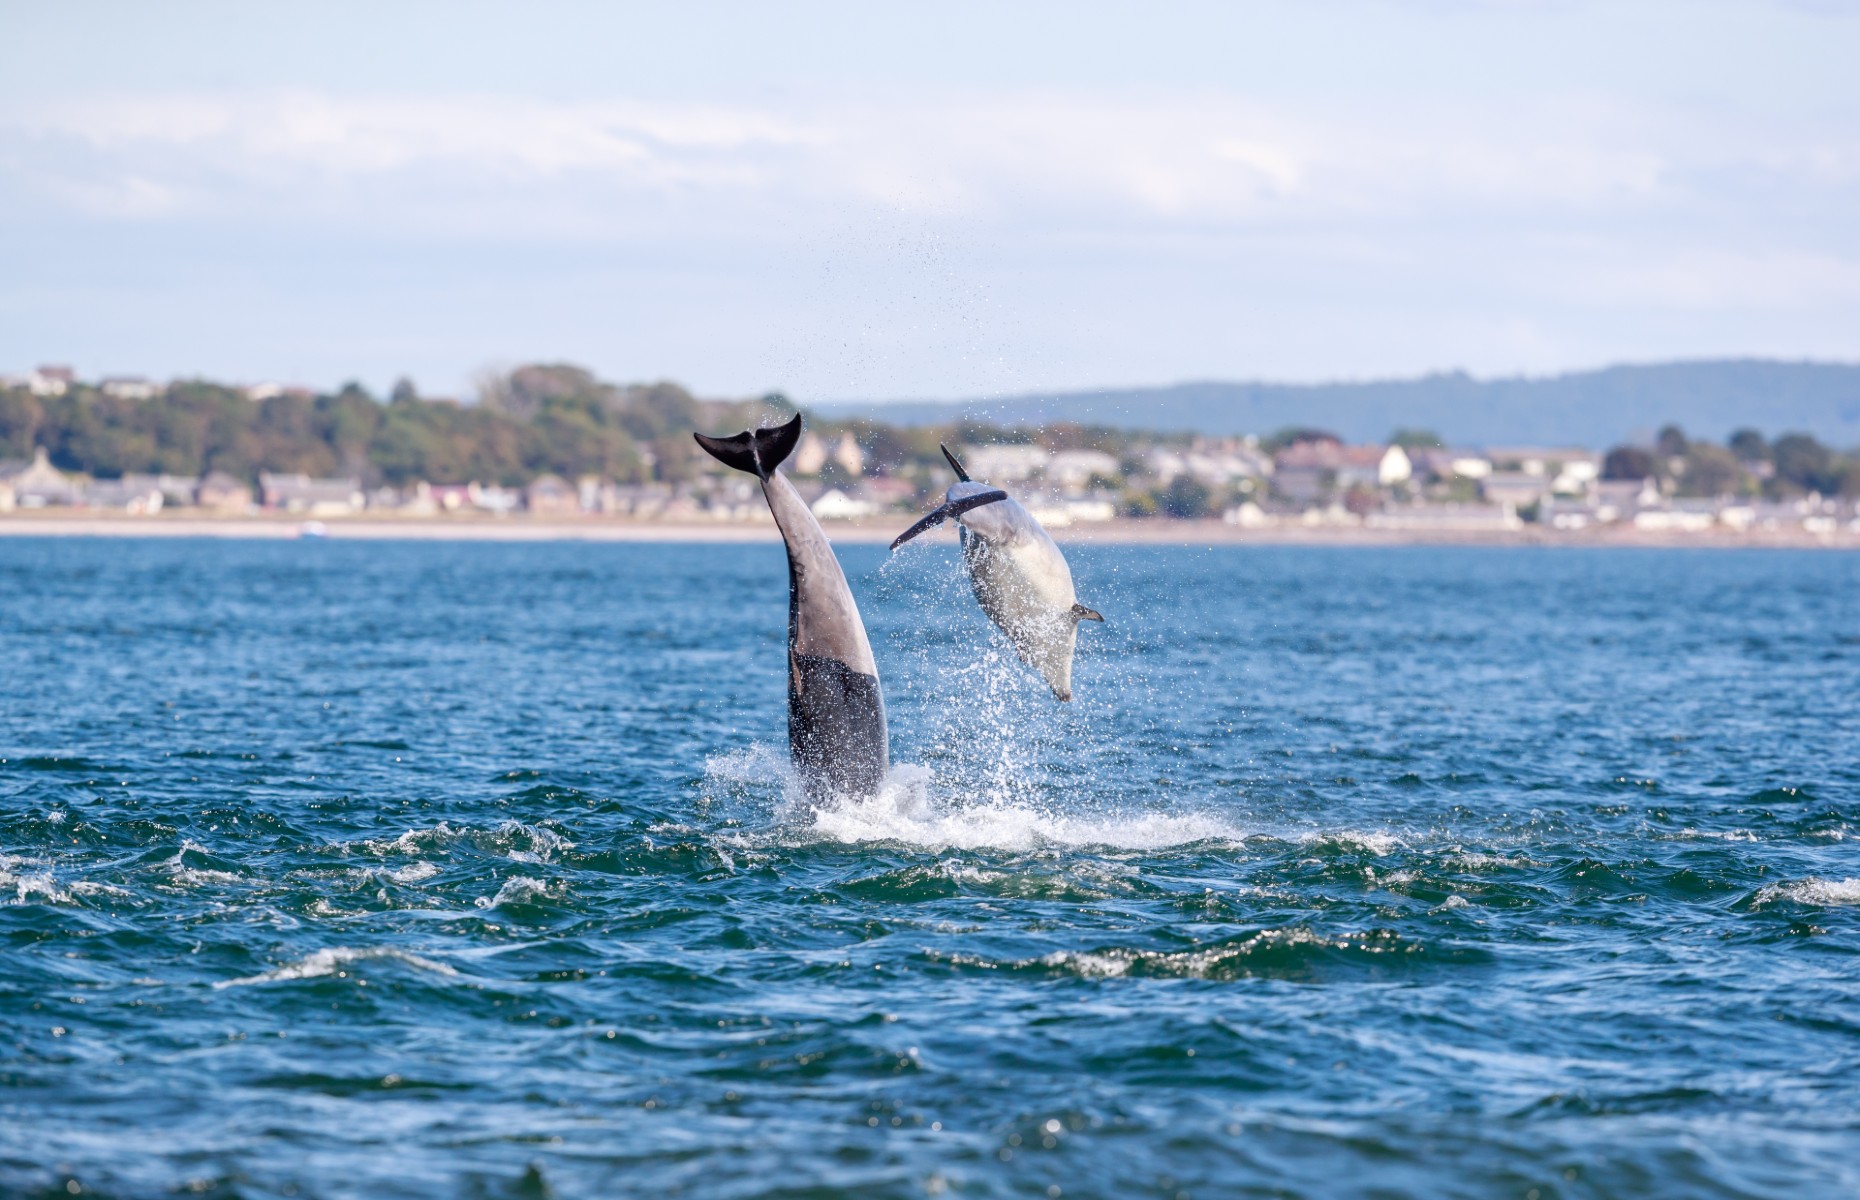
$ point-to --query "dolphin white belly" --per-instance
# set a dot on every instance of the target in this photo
(1018, 574)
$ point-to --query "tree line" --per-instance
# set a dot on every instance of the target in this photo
(542, 418)
(1746, 464)
(536, 419)
(560, 419)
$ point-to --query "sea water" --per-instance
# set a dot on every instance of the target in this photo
(340, 869)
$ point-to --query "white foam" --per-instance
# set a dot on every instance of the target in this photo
(518, 889)
(1721, 835)
(544, 842)
(85, 887)
(36, 883)
(1477, 861)
(411, 842)
(1092, 966)
(515, 840)
(1820, 892)
(905, 811)
(333, 961)
(187, 876)
(413, 872)
(1189, 964)
(1377, 843)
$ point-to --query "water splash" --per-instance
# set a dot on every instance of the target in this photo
(335, 960)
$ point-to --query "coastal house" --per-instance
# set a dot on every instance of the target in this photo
(640, 500)
(1678, 516)
(849, 456)
(595, 494)
(1620, 499)
(498, 501)
(50, 381)
(1003, 463)
(835, 505)
(1212, 465)
(449, 497)
(223, 493)
(1372, 466)
(300, 494)
(1519, 489)
(136, 495)
(259, 392)
(1248, 515)
(128, 387)
(810, 455)
(177, 491)
(1446, 518)
(885, 491)
(37, 484)
(1075, 469)
(1306, 471)
(551, 496)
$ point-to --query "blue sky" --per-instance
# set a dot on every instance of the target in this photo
(858, 200)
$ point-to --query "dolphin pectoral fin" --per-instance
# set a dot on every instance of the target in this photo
(953, 464)
(958, 507)
(955, 508)
(1081, 613)
(932, 519)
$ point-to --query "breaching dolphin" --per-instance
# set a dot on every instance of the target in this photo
(1020, 578)
(836, 710)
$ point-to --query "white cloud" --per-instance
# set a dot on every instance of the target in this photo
(1147, 160)
(967, 240)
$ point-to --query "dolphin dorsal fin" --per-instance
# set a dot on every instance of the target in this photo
(953, 464)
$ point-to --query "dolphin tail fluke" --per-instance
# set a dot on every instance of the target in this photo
(953, 464)
(1081, 613)
(756, 451)
(955, 508)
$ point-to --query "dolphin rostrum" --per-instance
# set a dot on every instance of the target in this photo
(836, 710)
(1019, 576)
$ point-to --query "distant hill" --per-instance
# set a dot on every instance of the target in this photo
(1593, 408)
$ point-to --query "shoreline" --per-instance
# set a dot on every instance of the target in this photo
(1110, 533)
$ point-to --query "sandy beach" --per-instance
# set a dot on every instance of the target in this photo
(607, 529)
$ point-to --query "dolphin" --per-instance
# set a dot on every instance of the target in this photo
(836, 710)
(1019, 576)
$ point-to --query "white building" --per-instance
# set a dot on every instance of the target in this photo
(810, 454)
(295, 493)
(849, 456)
(1003, 463)
(835, 505)
(1075, 468)
(128, 387)
(51, 381)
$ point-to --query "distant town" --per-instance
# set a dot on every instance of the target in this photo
(554, 443)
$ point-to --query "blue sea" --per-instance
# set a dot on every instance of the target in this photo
(371, 870)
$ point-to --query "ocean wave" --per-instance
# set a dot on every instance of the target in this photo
(32, 884)
(1292, 952)
(186, 876)
(1820, 893)
(518, 841)
(518, 889)
(1377, 843)
(333, 961)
